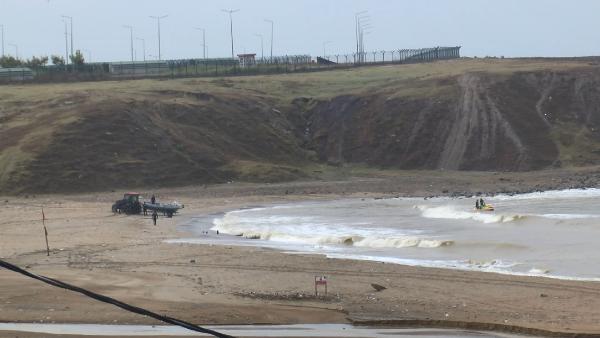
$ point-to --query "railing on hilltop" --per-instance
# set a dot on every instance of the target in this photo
(229, 66)
(396, 56)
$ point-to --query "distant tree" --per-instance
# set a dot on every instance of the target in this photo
(9, 62)
(36, 62)
(57, 60)
(77, 59)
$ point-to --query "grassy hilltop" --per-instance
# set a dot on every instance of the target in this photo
(511, 115)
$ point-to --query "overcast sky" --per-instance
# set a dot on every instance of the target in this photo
(482, 27)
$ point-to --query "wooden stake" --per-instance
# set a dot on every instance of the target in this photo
(45, 233)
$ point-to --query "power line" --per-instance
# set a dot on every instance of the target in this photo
(106, 299)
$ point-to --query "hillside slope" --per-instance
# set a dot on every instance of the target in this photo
(511, 115)
(475, 121)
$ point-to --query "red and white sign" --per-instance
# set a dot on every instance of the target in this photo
(320, 280)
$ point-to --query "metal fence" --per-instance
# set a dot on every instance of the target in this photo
(399, 55)
(15, 74)
(230, 67)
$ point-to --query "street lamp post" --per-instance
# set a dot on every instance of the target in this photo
(131, 40)
(158, 22)
(272, 24)
(231, 11)
(143, 46)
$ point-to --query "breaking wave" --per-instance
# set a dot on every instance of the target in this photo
(449, 212)
(293, 231)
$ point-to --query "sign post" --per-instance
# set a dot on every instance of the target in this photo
(320, 280)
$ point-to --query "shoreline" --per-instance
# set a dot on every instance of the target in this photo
(239, 240)
(124, 257)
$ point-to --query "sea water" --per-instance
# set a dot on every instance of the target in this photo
(552, 234)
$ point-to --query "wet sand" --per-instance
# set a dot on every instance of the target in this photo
(125, 257)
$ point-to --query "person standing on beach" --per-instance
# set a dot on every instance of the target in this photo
(153, 199)
(154, 216)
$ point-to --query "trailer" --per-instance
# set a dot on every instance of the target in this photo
(132, 204)
(167, 209)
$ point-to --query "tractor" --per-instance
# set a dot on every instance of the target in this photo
(130, 204)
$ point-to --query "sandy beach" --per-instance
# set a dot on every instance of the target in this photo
(126, 257)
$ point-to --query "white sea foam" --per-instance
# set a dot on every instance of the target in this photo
(552, 194)
(536, 271)
(450, 212)
(305, 230)
(569, 216)
(494, 266)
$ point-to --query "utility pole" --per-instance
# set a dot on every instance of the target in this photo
(66, 44)
(71, 21)
(2, 30)
(359, 18)
(203, 42)
(143, 46)
(16, 49)
(262, 49)
(272, 24)
(158, 22)
(231, 11)
(131, 40)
